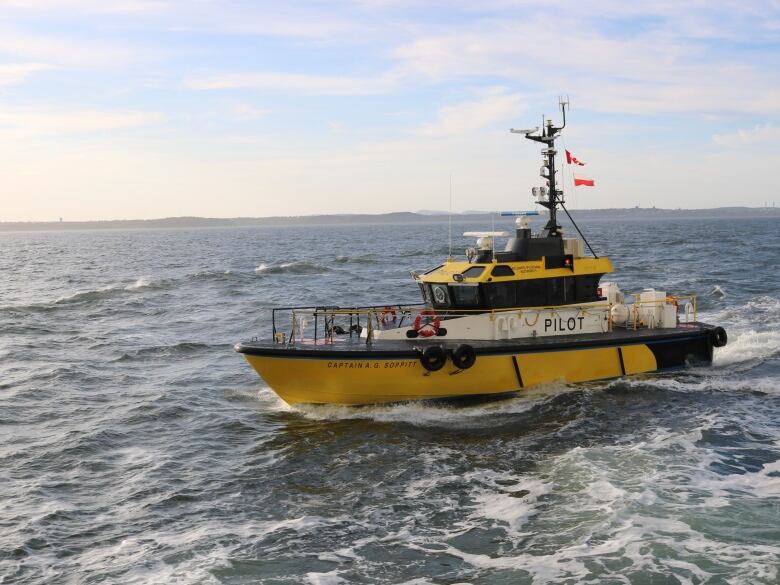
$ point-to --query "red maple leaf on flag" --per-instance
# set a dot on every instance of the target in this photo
(572, 160)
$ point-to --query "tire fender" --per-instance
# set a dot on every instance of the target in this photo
(464, 356)
(719, 337)
(433, 358)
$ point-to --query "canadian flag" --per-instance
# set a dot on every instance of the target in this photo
(584, 181)
(572, 160)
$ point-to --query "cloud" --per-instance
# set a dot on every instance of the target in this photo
(471, 116)
(75, 51)
(14, 73)
(650, 71)
(297, 20)
(759, 134)
(31, 122)
(250, 112)
(298, 83)
(88, 6)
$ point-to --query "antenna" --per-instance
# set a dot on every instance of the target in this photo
(493, 238)
(449, 256)
(563, 103)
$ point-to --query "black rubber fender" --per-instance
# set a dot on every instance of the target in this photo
(719, 337)
(464, 356)
(433, 358)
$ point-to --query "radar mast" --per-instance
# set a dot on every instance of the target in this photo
(554, 196)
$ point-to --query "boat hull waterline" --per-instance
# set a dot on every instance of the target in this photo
(354, 373)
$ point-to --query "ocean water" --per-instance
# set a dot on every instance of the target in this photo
(137, 447)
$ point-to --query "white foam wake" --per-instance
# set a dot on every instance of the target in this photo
(432, 413)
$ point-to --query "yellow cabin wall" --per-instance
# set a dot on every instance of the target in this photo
(523, 270)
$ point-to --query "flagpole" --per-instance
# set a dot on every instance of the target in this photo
(450, 221)
(571, 175)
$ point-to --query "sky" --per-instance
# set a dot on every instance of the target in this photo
(134, 109)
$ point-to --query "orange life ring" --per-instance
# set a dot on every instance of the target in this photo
(430, 326)
(388, 315)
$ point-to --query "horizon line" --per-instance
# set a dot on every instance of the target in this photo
(418, 213)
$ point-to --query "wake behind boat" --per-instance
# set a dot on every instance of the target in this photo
(496, 322)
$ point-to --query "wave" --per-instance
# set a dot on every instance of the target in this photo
(437, 252)
(89, 295)
(429, 412)
(596, 512)
(701, 380)
(184, 348)
(762, 309)
(214, 275)
(753, 329)
(297, 267)
(747, 346)
(84, 296)
(143, 282)
(364, 259)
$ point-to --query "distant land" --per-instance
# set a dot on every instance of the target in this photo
(425, 216)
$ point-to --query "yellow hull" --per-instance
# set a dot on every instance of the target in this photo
(319, 380)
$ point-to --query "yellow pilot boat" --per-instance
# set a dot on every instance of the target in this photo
(494, 323)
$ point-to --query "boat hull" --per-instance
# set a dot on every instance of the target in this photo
(359, 374)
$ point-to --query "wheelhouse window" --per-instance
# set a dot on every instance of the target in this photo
(569, 292)
(473, 272)
(501, 295)
(586, 288)
(466, 295)
(555, 291)
(532, 293)
(502, 270)
(441, 295)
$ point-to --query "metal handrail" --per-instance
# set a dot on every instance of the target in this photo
(372, 312)
(673, 298)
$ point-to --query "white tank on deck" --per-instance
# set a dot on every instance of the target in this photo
(619, 314)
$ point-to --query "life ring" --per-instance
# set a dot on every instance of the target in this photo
(433, 358)
(430, 326)
(388, 315)
(719, 337)
(464, 356)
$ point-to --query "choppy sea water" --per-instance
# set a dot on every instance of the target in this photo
(137, 447)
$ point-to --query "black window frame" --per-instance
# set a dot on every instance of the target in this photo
(478, 269)
(502, 267)
(448, 302)
(500, 295)
(456, 290)
(532, 292)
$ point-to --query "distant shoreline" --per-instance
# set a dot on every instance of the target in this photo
(382, 218)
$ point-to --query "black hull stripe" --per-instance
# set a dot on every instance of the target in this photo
(517, 371)
(368, 354)
(622, 363)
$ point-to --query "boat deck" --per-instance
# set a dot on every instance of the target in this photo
(357, 348)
